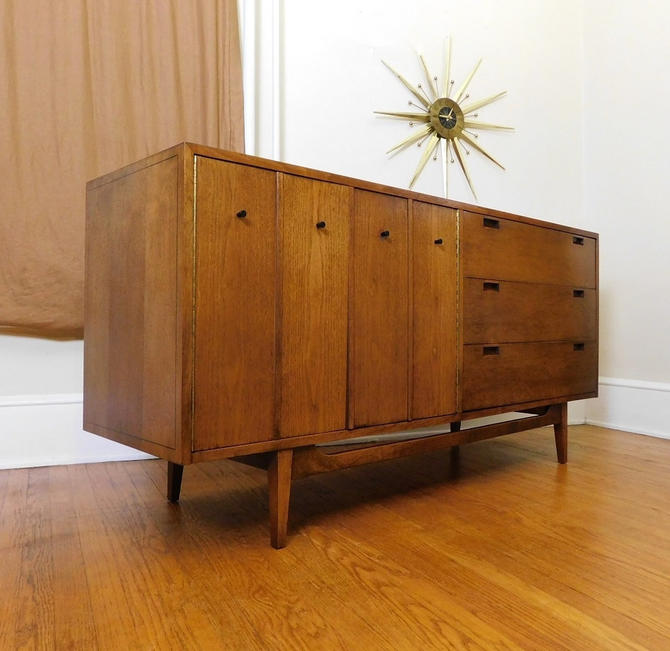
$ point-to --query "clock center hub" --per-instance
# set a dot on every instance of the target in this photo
(446, 117)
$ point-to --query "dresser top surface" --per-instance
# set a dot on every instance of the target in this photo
(187, 149)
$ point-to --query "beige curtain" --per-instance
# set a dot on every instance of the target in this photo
(87, 86)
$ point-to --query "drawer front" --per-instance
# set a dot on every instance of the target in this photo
(505, 374)
(509, 250)
(504, 311)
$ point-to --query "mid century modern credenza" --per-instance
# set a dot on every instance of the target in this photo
(248, 309)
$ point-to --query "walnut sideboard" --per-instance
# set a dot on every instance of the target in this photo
(247, 309)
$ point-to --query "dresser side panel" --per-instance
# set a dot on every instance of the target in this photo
(130, 337)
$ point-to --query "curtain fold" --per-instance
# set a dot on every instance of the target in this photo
(88, 86)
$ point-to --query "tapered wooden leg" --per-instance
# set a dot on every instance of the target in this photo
(279, 488)
(455, 451)
(174, 475)
(561, 435)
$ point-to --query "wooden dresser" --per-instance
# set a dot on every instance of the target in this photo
(242, 308)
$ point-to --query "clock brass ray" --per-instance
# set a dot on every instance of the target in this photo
(444, 120)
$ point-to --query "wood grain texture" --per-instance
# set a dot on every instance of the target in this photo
(561, 435)
(526, 371)
(314, 296)
(130, 346)
(279, 495)
(380, 309)
(259, 306)
(521, 252)
(435, 310)
(235, 305)
(329, 177)
(506, 312)
(314, 460)
(513, 551)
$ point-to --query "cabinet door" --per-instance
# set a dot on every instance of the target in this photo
(380, 310)
(435, 308)
(314, 222)
(235, 304)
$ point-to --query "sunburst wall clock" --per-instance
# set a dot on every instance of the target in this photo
(446, 118)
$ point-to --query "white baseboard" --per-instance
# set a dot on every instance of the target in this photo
(632, 406)
(46, 430)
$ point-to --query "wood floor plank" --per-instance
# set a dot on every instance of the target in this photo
(73, 610)
(270, 599)
(505, 550)
(555, 624)
(35, 616)
(13, 513)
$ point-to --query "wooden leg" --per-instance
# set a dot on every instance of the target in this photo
(279, 488)
(455, 452)
(561, 435)
(174, 475)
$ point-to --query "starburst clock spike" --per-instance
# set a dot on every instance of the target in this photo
(464, 167)
(412, 89)
(432, 143)
(447, 70)
(468, 124)
(411, 140)
(481, 150)
(429, 78)
(420, 117)
(483, 102)
(461, 91)
(444, 122)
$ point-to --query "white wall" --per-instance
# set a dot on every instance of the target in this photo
(626, 170)
(31, 365)
(41, 406)
(333, 80)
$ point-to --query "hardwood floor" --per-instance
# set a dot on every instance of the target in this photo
(509, 550)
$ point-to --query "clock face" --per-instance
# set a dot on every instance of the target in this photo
(445, 117)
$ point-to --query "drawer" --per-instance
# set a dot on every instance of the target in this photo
(505, 374)
(504, 311)
(509, 250)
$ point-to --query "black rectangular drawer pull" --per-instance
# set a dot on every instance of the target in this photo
(491, 223)
(578, 240)
(578, 347)
(578, 293)
(491, 287)
(491, 350)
